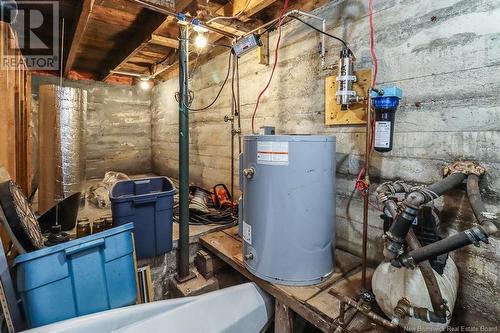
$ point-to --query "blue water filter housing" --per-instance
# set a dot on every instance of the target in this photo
(385, 102)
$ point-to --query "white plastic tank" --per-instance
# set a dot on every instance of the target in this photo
(390, 284)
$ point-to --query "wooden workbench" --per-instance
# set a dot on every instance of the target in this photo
(314, 303)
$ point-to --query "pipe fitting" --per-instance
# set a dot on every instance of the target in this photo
(404, 309)
(249, 172)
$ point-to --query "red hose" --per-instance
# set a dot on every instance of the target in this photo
(276, 52)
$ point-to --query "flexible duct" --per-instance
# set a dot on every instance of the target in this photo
(409, 209)
(479, 233)
(489, 223)
(61, 147)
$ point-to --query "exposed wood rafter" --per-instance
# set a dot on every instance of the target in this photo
(137, 43)
(80, 28)
(164, 41)
(238, 6)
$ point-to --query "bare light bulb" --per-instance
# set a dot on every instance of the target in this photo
(145, 84)
(200, 41)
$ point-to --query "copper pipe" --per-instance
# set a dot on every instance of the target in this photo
(369, 313)
(366, 197)
(238, 103)
(233, 133)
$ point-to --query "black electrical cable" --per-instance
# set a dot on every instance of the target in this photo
(318, 30)
(218, 93)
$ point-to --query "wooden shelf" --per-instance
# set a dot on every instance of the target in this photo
(313, 303)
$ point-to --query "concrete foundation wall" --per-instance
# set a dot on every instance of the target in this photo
(443, 54)
(118, 126)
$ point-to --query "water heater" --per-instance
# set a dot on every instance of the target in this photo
(288, 212)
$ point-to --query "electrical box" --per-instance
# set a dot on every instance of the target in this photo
(356, 112)
(246, 44)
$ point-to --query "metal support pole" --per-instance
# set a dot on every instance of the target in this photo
(183, 272)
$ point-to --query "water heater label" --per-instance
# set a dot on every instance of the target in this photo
(272, 152)
(382, 134)
(247, 233)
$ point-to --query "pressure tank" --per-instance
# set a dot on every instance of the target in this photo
(288, 222)
(390, 284)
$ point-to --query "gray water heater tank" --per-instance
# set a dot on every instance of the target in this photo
(288, 215)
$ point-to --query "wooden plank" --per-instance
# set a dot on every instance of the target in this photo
(207, 264)
(7, 116)
(240, 7)
(264, 49)
(327, 303)
(164, 41)
(81, 26)
(345, 263)
(283, 318)
(134, 45)
(227, 248)
(361, 323)
(356, 113)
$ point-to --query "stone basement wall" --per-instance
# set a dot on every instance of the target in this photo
(443, 54)
(118, 126)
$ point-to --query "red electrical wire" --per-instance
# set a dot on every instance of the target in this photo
(372, 46)
(276, 52)
(361, 185)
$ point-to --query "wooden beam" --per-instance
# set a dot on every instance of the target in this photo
(283, 318)
(237, 6)
(164, 41)
(165, 64)
(264, 49)
(134, 44)
(80, 28)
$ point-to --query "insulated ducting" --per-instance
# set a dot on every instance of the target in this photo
(61, 148)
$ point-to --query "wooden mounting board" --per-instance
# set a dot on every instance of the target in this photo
(313, 303)
(356, 114)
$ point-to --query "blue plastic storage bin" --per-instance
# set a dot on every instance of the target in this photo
(148, 203)
(83, 276)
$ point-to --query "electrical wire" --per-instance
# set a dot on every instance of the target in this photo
(276, 53)
(218, 93)
(372, 46)
(319, 30)
(231, 17)
(210, 214)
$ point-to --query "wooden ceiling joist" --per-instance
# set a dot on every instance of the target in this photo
(134, 45)
(148, 34)
(80, 28)
(164, 41)
(236, 7)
